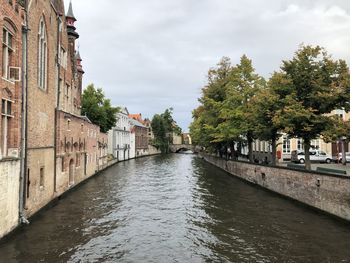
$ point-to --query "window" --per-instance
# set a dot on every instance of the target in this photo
(68, 97)
(41, 177)
(42, 55)
(62, 164)
(286, 144)
(63, 57)
(28, 182)
(77, 160)
(68, 125)
(315, 144)
(7, 52)
(6, 116)
(300, 145)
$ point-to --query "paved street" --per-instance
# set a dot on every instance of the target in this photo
(337, 166)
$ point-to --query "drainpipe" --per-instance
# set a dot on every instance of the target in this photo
(24, 121)
(57, 105)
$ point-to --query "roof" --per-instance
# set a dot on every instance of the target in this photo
(77, 56)
(137, 117)
(70, 11)
(136, 123)
(124, 110)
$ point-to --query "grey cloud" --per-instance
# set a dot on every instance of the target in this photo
(154, 54)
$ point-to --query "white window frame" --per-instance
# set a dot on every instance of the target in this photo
(42, 55)
(5, 119)
(7, 49)
(286, 144)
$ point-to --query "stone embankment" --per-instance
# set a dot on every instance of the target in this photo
(325, 192)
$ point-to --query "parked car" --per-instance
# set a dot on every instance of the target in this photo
(315, 156)
(347, 157)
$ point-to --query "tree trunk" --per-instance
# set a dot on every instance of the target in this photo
(307, 154)
(274, 149)
(343, 158)
(250, 149)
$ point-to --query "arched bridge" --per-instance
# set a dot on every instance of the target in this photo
(175, 148)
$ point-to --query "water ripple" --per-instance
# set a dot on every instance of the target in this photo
(176, 208)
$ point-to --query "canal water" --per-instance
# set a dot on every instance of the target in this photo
(176, 208)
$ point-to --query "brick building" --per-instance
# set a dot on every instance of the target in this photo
(63, 146)
(141, 137)
(147, 122)
(45, 143)
(12, 20)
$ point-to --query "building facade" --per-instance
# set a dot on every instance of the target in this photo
(63, 147)
(150, 134)
(141, 138)
(119, 137)
(12, 21)
(287, 144)
(186, 138)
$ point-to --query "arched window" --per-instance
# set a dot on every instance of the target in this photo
(8, 48)
(42, 55)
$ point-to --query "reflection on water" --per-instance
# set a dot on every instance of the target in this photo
(176, 208)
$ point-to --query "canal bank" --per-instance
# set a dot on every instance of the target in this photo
(325, 192)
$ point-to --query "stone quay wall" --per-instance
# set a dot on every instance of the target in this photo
(327, 193)
(9, 195)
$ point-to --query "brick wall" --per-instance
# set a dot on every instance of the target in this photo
(41, 108)
(11, 18)
(328, 193)
(78, 150)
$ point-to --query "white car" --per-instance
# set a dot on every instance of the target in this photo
(315, 156)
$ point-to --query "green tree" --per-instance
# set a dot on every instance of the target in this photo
(263, 107)
(206, 118)
(312, 85)
(98, 109)
(163, 126)
(236, 111)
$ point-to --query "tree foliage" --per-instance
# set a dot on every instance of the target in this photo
(238, 106)
(314, 85)
(98, 109)
(163, 127)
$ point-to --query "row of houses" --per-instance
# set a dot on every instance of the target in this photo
(46, 145)
(287, 144)
(131, 137)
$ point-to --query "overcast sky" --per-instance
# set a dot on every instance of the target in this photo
(149, 55)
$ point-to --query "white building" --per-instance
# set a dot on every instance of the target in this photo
(132, 143)
(119, 137)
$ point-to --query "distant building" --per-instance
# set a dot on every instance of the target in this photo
(286, 144)
(141, 139)
(119, 137)
(150, 134)
(176, 138)
(186, 139)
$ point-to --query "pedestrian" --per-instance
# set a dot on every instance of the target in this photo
(229, 153)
